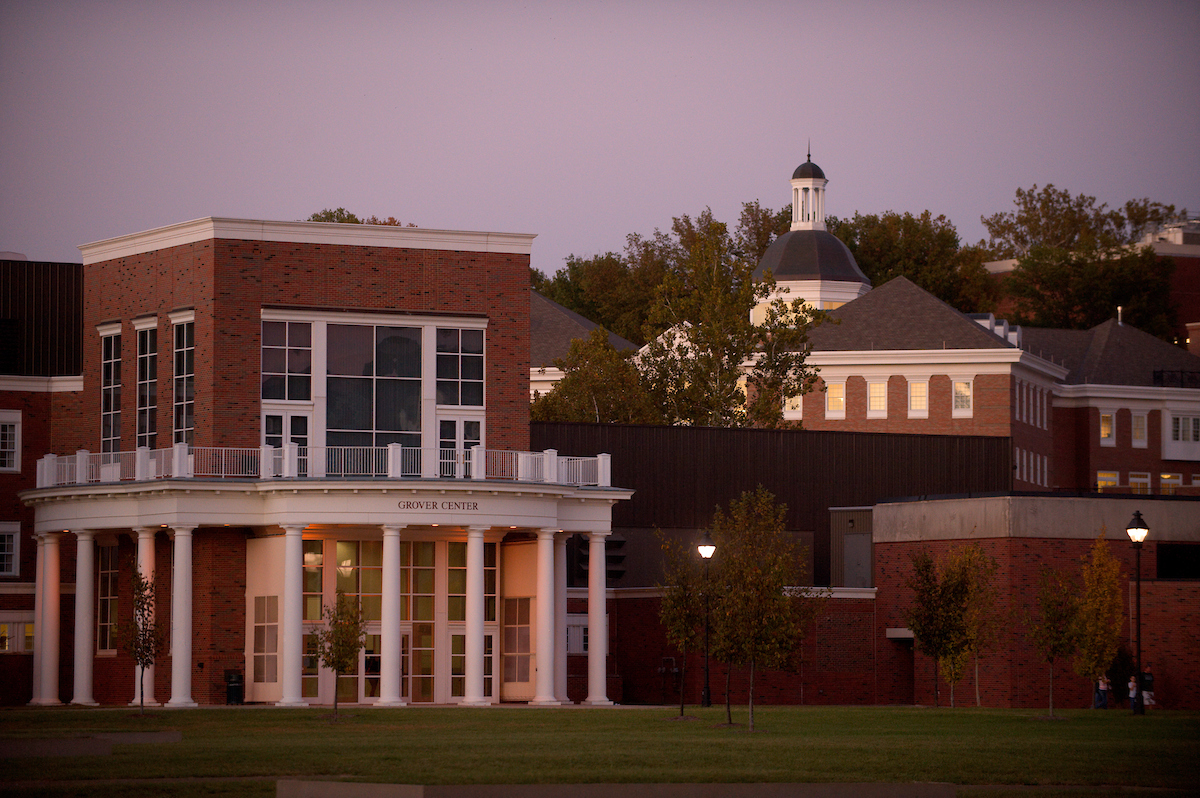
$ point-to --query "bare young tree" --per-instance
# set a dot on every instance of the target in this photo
(339, 643)
(143, 638)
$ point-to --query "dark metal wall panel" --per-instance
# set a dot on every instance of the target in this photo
(41, 318)
(682, 473)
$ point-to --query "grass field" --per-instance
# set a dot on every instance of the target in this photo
(525, 745)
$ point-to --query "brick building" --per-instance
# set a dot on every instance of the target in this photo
(271, 412)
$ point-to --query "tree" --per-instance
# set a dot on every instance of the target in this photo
(979, 611)
(758, 227)
(1098, 619)
(682, 609)
(339, 215)
(757, 619)
(1052, 630)
(342, 638)
(600, 385)
(936, 615)
(695, 369)
(923, 248)
(1078, 289)
(144, 638)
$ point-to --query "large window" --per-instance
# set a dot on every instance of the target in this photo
(360, 574)
(457, 581)
(314, 571)
(460, 367)
(287, 360)
(106, 599)
(374, 385)
(1107, 480)
(835, 400)
(147, 387)
(963, 398)
(518, 651)
(1137, 430)
(1108, 429)
(185, 381)
(876, 400)
(918, 399)
(1185, 428)
(110, 393)
(10, 440)
(10, 548)
(266, 639)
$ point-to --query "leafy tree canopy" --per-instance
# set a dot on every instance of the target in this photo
(341, 639)
(601, 385)
(925, 249)
(937, 614)
(1100, 610)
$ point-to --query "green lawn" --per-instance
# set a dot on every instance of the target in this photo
(525, 745)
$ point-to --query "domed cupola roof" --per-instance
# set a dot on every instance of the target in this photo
(808, 170)
(810, 255)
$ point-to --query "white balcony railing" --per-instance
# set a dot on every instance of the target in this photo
(320, 462)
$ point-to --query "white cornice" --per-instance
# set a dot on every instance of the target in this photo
(935, 361)
(1093, 395)
(363, 235)
(41, 384)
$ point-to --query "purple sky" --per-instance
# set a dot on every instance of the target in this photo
(580, 122)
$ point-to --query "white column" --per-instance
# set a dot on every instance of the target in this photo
(560, 617)
(181, 620)
(473, 690)
(597, 621)
(389, 619)
(544, 687)
(39, 585)
(145, 566)
(48, 633)
(85, 615)
(292, 622)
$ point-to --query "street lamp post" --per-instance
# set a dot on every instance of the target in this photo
(1137, 531)
(706, 547)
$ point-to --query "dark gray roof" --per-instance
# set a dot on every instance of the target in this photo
(1108, 354)
(808, 169)
(552, 328)
(901, 315)
(810, 255)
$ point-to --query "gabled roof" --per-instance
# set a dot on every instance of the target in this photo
(1109, 354)
(552, 328)
(901, 315)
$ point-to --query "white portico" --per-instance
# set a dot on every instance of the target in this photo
(462, 580)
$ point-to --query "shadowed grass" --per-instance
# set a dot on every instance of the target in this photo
(522, 745)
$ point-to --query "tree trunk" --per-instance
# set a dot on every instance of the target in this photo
(682, 682)
(952, 695)
(752, 694)
(1051, 689)
(336, 678)
(141, 672)
(728, 712)
(937, 681)
(977, 680)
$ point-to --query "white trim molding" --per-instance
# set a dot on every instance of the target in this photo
(364, 235)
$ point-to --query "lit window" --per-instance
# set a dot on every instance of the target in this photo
(314, 573)
(793, 407)
(360, 574)
(1108, 432)
(962, 397)
(1139, 482)
(16, 633)
(10, 440)
(918, 399)
(1106, 480)
(1169, 484)
(876, 399)
(10, 548)
(835, 400)
(1138, 430)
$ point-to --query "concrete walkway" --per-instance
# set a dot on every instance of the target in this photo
(331, 789)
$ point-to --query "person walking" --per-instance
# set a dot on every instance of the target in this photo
(1102, 687)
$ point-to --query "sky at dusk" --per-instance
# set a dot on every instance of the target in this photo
(580, 122)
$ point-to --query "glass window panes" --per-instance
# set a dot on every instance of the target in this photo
(287, 360)
(962, 395)
(314, 561)
(918, 396)
(106, 598)
(460, 367)
(877, 396)
(373, 385)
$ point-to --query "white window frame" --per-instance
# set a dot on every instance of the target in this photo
(13, 418)
(146, 360)
(1139, 422)
(1139, 482)
(182, 433)
(918, 412)
(1107, 479)
(835, 391)
(793, 408)
(16, 620)
(877, 412)
(12, 530)
(111, 443)
(1111, 438)
(955, 410)
(1169, 484)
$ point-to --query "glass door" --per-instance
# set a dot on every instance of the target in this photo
(288, 427)
(456, 438)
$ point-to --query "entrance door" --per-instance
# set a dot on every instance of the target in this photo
(456, 438)
(288, 427)
(518, 666)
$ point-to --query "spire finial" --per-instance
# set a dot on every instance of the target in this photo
(810, 150)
